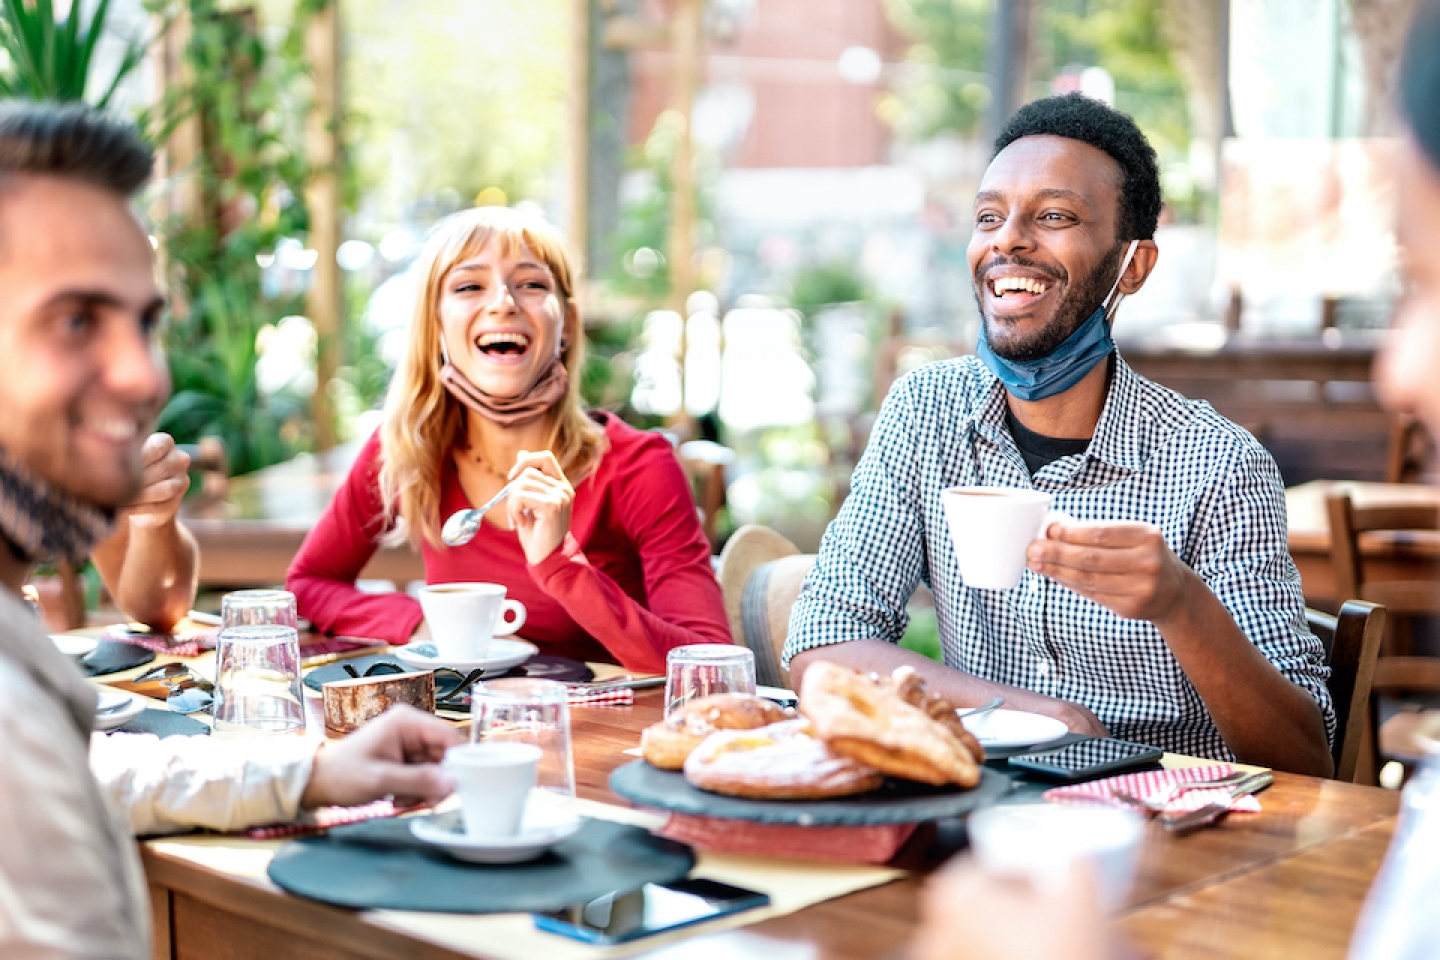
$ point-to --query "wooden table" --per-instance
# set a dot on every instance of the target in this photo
(1388, 556)
(1284, 883)
(249, 540)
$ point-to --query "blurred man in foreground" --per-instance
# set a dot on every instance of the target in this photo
(81, 383)
(970, 914)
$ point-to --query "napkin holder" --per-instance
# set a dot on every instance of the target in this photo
(349, 704)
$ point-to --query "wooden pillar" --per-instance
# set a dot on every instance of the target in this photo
(686, 44)
(579, 226)
(322, 200)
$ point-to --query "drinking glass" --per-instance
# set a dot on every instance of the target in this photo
(700, 669)
(257, 680)
(517, 710)
(259, 607)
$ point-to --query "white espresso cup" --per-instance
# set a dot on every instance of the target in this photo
(493, 781)
(990, 528)
(464, 617)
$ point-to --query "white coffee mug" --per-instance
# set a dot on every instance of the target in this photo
(493, 781)
(464, 617)
(990, 528)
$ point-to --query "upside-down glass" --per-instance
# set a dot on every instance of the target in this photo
(258, 607)
(702, 669)
(517, 710)
(257, 681)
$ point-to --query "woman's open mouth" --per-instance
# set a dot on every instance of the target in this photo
(503, 344)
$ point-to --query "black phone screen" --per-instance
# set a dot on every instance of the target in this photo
(1088, 758)
(653, 908)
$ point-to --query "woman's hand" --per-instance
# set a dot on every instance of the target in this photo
(539, 505)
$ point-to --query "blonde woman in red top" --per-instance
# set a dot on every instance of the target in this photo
(599, 538)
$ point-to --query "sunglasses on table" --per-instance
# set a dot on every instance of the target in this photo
(451, 686)
(185, 690)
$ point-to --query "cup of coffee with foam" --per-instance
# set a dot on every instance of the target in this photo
(991, 527)
(464, 617)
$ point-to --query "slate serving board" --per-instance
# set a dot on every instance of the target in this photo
(898, 801)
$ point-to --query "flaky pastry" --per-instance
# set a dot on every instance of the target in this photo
(666, 744)
(783, 761)
(873, 722)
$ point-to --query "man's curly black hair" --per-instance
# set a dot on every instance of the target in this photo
(1078, 117)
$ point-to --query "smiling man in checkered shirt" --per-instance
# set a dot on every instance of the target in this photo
(1170, 612)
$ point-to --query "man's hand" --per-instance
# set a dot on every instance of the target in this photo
(539, 506)
(165, 481)
(1126, 567)
(396, 754)
(966, 913)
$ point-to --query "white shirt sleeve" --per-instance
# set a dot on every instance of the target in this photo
(180, 783)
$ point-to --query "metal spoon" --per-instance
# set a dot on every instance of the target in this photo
(995, 704)
(462, 526)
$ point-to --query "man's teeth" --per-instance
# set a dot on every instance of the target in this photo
(1003, 285)
(491, 339)
(116, 429)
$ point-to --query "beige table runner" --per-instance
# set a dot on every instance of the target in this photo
(792, 885)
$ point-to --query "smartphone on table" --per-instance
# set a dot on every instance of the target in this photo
(1088, 759)
(654, 908)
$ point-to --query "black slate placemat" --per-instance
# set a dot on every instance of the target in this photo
(165, 723)
(112, 656)
(380, 865)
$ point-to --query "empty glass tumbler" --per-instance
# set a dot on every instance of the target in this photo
(258, 607)
(257, 681)
(701, 669)
(517, 710)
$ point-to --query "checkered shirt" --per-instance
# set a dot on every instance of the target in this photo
(1213, 491)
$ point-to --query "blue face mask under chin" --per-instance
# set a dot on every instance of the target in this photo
(1069, 362)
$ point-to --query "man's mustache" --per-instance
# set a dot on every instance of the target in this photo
(1058, 274)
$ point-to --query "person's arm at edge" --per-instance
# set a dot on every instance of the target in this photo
(322, 575)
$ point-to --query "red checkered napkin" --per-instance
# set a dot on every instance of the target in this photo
(182, 643)
(1155, 783)
(326, 817)
(585, 697)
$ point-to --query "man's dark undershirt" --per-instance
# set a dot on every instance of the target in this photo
(1038, 450)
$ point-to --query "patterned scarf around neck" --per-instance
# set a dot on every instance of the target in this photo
(42, 523)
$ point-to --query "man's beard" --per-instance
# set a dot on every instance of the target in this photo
(1079, 303)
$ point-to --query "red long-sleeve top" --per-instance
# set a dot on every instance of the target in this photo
(631, 580)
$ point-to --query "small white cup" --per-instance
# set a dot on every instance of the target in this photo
(990, 528)
(464, 617)
(1040, 842)
(493, 781)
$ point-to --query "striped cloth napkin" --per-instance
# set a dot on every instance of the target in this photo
(1153, 784)
(326, 817)
(587, 697)
(189, 642)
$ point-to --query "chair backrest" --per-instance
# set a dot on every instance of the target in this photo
(761, 574)
(1348, 522)
(1411, 453)
(1352, 644)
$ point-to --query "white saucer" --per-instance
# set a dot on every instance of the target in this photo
(502, 655)
(537, 834)
(1003, 729)
(122, 705)
(74, 645)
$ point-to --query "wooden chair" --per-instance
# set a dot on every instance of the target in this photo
(706, 464)
(760, 575)
(1411, 453)
(1352, 644)
(1397, 672)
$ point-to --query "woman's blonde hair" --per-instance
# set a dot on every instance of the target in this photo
(423, 422)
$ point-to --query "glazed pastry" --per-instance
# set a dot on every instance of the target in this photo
(783, 761)
(666, 744)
